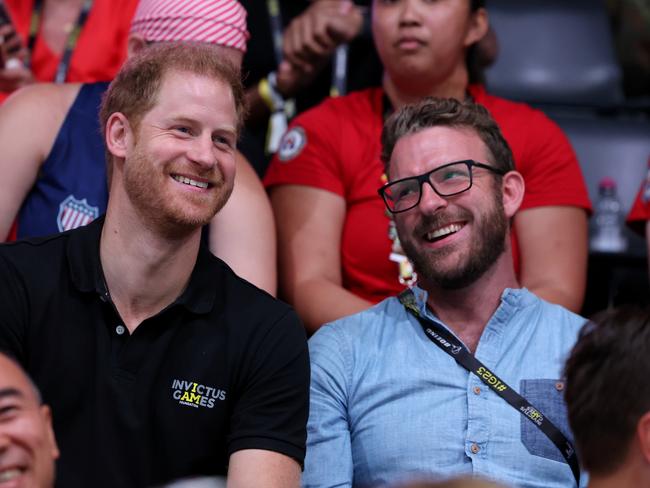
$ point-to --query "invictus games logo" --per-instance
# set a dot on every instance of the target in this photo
(196, 395)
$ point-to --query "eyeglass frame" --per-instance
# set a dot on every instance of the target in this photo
(425, 178)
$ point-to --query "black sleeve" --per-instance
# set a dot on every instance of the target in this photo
(272, 409)
(13, 310)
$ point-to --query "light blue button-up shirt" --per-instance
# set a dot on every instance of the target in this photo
(387, 405)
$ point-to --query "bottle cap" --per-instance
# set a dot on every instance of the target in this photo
(607, 182)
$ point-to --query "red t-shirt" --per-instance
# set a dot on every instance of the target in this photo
(100, 49)
(640, 211)
(336, 147)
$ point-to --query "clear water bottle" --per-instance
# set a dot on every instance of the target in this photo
(607, 232)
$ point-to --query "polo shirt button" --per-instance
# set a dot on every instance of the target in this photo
(475, 449)
(120, 329)
(477, 390)
(559, 386)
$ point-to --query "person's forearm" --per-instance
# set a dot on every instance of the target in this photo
(321, 301)
(553, 253)
(571, 299)
(257, 468)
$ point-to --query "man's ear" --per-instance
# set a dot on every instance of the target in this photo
(643, 435)
(512, 188)
(118, 134)
(47, 418)
(135, 44)
(478, 27)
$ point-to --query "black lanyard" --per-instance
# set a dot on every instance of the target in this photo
(71, 42)
(456, 349)
(275, 21)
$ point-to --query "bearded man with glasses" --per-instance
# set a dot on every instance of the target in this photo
(461, 374)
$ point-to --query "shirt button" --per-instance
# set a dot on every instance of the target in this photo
(474, 448)
(120, 329)
(559, 386)
(477, 390)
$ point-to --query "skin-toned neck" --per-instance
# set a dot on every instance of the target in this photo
(404, 91)
(60, 5)
(626, 477)
(467, 310)
(145, 270)
(58, 18)
(633, 472)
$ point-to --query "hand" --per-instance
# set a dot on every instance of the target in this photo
(313, 36)
(13, 73)
(291, 78)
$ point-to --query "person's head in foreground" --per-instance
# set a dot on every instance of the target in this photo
(452, 189)
(171, 119)
(608, 397)
(27, 444)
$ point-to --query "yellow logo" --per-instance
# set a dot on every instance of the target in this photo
(196, 395)
(490, 379)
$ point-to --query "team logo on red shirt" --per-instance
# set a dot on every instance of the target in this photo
(292, 143)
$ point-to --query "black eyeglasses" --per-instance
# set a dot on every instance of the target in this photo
(447, 180)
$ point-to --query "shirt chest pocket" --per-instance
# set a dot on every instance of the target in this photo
(547, 396)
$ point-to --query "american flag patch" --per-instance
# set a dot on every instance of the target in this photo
(75, 213)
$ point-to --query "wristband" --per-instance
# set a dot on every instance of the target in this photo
(268, 90)
(264, 90)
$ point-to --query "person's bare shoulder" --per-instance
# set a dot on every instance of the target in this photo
(38, 111)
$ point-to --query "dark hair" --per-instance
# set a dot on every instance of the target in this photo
(607, 387)
(134, 90)
(475, 59)
(446, 112)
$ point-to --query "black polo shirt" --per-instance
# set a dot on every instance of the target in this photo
(223, 368)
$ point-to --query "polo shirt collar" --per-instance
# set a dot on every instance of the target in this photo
(201, 292)
(83, 257)
(87, 275)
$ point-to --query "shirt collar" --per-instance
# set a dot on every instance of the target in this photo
(511, 299)
(87, 275)
(83, 257)
(201, 292)
(421, 297)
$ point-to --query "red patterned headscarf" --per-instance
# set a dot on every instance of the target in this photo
(221, 22)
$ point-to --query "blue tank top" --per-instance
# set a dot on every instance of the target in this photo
(71, 189)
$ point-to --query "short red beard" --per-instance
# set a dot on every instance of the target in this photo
(144, 187)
